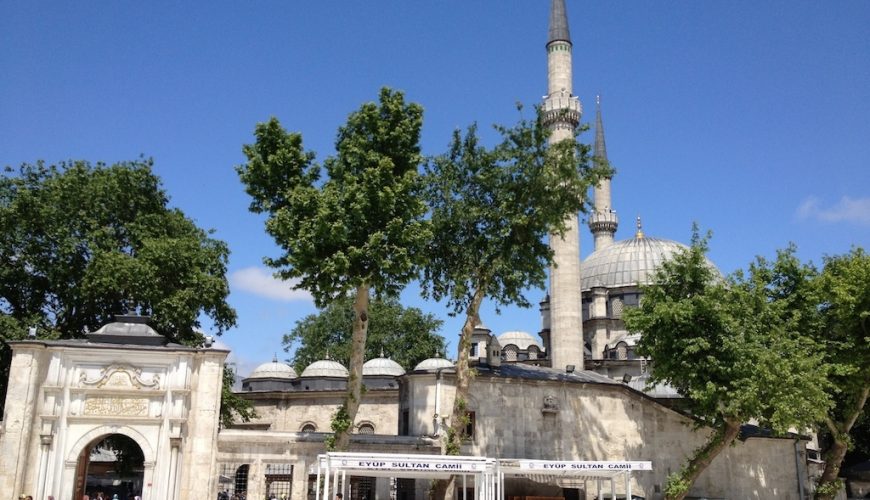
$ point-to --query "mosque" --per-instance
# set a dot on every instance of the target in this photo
(574, 394)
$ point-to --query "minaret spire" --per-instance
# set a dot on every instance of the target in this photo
(561, 112)
(558, 23)
(602, 221)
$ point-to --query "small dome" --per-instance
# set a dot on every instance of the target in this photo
(627, 262)
(325, 368)
(382, 367)
(520, 339)
(433, 364)
(273, 369)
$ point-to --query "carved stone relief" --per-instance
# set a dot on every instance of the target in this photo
(120, 376)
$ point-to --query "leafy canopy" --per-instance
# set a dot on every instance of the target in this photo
(492, 209)
(79, 242)
(363, 224)
(406, 335)
(735, 347)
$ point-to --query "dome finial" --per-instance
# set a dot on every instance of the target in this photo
(275, 357)
(382, 351)
(639, 234)
(327, 354)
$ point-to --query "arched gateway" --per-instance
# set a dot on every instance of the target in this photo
(75, 408)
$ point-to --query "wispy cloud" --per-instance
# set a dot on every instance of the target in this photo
(848, 209)
(259, 281)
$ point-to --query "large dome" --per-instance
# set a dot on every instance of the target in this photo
(627, 262)
(382, 367)
(325, 368)
(520, 339)
(273, 369)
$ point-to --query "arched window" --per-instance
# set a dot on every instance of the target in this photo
(533, 352)
(616, 307)
(510, 352)
(365, 428)
(309, 427)
(622, 350)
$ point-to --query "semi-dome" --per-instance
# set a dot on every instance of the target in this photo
(383, 367)
(627, 262)
(520, 339)
(325, 368)
(273, 369)
(433, 364)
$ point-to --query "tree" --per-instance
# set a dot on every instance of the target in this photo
(361, 229)
(407, 335)
(843, 293)
(492, 209)
(734, 348)
(80, 243)
(233, 406)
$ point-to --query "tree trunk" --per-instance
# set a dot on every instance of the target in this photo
(703, 457)
(828, 485)
(357, 358)
(452, 443)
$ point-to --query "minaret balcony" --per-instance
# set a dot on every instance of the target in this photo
(561, 108)
(603, 220)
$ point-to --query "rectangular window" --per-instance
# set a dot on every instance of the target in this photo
(469, 425)
(405, 424)
(279, 481)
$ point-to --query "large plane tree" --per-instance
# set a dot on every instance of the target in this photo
(357, 231)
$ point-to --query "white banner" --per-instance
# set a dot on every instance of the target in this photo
(409, 465)
(554, 465)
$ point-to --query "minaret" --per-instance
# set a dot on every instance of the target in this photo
(562, 114)
(603, 220)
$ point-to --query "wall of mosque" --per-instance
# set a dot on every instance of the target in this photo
(291, 411)
(519, 418)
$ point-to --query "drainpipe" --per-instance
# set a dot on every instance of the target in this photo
(797, 467)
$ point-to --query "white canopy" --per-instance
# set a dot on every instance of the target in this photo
(487, 473)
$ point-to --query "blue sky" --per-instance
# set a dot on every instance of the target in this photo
(750, 118)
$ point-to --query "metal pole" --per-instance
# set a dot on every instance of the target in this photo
(627, 485)
(598, 494)
(317, 483)
(464, 489)
(612, 488)
(326, 481)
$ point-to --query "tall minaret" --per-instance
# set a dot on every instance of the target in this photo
(562, 114)
(603, 220)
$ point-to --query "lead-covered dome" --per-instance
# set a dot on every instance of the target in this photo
(273, 369)
(383, 367)
(522, 340)
(433, 364)
(627, 262)
(325, 368)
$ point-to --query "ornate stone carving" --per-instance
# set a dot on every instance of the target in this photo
(120, 376)
(109, 406)
(551, 404)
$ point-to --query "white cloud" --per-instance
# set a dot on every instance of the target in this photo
(259, 281)
(855, 210)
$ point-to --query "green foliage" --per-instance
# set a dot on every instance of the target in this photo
(361, 228)
(735, 348)
(341, 423)
(676, 485)
(363, 224)
(80, 243)
(492, 209)
(406, 335)
(233, 406)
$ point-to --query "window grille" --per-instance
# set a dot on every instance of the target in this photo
(405, 489)
(279, 481)
(510, 352)
(309, 427)
(533, 352)
(365, 428)
(233, 481)
(362, 488)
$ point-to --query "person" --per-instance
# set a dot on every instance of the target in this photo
(338, 496)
